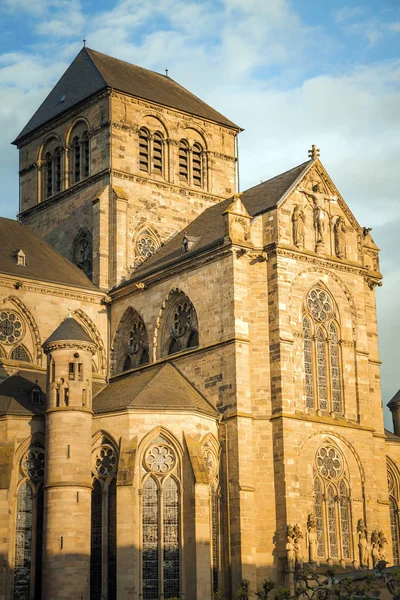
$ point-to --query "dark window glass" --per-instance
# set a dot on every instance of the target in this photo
(23, 543)
(150, 539)
(112, 541)
(96, 542)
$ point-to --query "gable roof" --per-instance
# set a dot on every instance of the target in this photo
(42, 261)
(158, 387)
(207, 230)
(71, 330)
(15, 393)
(91, 72)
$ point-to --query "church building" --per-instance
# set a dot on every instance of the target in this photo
(189, 376)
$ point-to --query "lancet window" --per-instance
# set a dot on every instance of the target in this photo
(332, 505)
(393, 488)
(180, 327)
(210, 455)
(104, 522)
(321, 353)
(161, 522)
(29, 525)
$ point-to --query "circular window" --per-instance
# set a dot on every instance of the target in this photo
(182, 318)
(319, 304)
(33, 464)
(160, 459)
(146, 246)
(11, 329)
(105, 461)
(329, 463)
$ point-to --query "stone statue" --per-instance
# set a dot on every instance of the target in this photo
(291, 561)
(294, 552)
(298, 219)
(321, 216)
(339, 231)
(382, 545)
(363, 545)
(375, 545)
(312, 539)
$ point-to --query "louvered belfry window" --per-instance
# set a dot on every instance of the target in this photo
(144, 145)
(197, 158)
(158, 153)
(183, 155)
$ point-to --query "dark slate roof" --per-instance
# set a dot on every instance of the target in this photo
(92, 72)
(15, 393)
(394, 400)
(69, 329)
(207, 230)
(42, 261)
(157, 387)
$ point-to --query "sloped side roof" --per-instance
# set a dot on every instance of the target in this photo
(42, 261)
(15, 393)
(207, 229)
(161, 387)
(91, 71)
(394, 400)
(69, 329)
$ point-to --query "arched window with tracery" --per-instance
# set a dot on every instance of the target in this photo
(161, 521)
(323, 388)
(29, 524)
(332, 506)
(145, 244)
(14, 331)
(103, 553)
(131, 344)
(179, 329)
(211, 458)
(393, 489)
(144, 149)
(82, 252)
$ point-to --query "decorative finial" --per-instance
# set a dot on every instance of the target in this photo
(166, 72)
(84, 43)
(314, 152)
(70, 312)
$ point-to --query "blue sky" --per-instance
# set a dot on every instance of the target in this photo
(291, 72)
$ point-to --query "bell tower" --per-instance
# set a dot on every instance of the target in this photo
(67, 482)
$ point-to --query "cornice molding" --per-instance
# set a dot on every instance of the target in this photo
(52, 289)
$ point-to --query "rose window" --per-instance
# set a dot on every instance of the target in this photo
(33, 464)
(160, 459)
(11, 329)
(105, 461)
(319, 304)
(329, 463)
(182, 318)
(146, 246)
(136, 336)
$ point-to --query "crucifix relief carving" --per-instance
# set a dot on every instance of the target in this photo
(320, 202)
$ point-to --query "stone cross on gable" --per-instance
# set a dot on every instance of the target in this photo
(314, 152)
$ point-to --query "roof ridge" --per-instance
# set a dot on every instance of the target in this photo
(90, 50)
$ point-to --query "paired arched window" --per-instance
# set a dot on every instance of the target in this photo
(393, 488)
(321, 353)
(103, 555)
(191, 162)
(51, 169)
(82, 252)
(161, 522)
(151, 151)
(29, 524)
(179, 329)
(332, 505)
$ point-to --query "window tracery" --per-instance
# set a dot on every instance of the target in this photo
(161, 522)
(11, 327)
(210, 456)
(131, 345)
(321, 353)
(82, 252)
(20, 353)
(29, 524)
(331, 505)
(104, 523)
(145, 245)
(180, 327)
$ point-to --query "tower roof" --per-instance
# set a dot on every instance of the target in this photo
(91, 72)
(395, 400)
(69, 330)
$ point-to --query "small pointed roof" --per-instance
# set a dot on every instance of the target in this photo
(69, 330)
(91, 72)
(157, 387)
(395, 400)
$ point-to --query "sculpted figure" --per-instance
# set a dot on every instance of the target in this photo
(375, 553)
(298, 219)
(312, 539)
(320, 214)
(382, 546)
(363, 545)
(290, 553)
(339, 231)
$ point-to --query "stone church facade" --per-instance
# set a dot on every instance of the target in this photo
(190, 389)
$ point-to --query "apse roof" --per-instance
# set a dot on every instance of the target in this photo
(42, 261)
(207, 230)
(158, 387)
(69, 330)
(91, 71)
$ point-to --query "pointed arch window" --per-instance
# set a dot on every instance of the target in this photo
(20, 353)
(131, 342)
(82, 252)
(393, 488)
(179, 330)
(332, 505)
(161, 523)
(144, 149)
(321, 353)
(29, 525)
(210, 456)
(103, 552)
